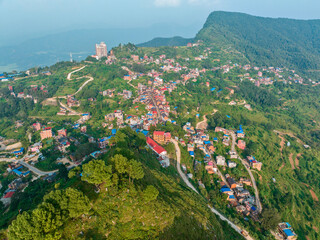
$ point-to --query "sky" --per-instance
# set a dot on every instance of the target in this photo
(23, 19)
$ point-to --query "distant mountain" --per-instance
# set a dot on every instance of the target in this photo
(48, 50)
(266, 41)
(159, 42)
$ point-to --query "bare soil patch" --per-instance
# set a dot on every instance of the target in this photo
(291, 161)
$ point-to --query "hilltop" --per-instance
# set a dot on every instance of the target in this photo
(280, 41)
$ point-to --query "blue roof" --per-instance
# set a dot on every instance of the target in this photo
(212, 89)
(253, 208)
(20, 151)
(215, 138)
(288, 232)
(207, 155)
(206, 142)
(138, 130)
(198, 115)
(85, 114)
(109, 137)
(19, 167)
(240, 131)
(191, 153)
(232, 196)
(225, 189)
(129, 117)
(228, 116)
(145, 132)
(173, 121)
(102, 140)
(288, 225)
(114, 131)
(17, 172)
(175, 107)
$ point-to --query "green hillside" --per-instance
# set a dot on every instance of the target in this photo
(159, 42)
(266, 41)
(124, 195)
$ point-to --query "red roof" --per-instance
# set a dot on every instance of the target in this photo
(158, 133)
(157, 148)
(8, 195)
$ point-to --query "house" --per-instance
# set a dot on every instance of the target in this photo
(36, 126)
(221, 161)
(286, 231)
(226, 190)
(36, 147)
(62, 132)
(161, 137)
(231, 164)
(156, 147)
(240, 133)
(18, 152)
(83, 129)
(245, 181)
(241, 144)
(46, 133)
(6, 199)
(232, 182)
(210, 168)
(135, 58)
(85, 116)
(254, 163)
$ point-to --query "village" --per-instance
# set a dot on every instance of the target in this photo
(152, 95)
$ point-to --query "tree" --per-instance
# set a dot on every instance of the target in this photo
(96, 172)
(121, 163)
(74, 172)
(63, 172)
(135, 170)
(270, 218)
(150, 193)
(70, 201)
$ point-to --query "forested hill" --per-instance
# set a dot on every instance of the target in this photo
(266, 41)
(159, 42)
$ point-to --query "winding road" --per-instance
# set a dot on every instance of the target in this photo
(77, 70)
(254, 184)
(27, 165)
(215, 211)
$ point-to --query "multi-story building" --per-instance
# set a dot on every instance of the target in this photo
(62, 132)
(46, 133)
(101, 50)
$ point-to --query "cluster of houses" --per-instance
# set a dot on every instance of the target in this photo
(72, 101)
(13, 187)
(239, 197)
(285, 231)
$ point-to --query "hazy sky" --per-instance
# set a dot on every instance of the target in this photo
(30, 18)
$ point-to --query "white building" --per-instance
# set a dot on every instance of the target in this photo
(101, 50)
(221, 161)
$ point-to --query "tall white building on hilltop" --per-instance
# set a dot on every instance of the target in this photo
(101, 50)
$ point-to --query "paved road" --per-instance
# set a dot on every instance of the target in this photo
(183, 176)
(215, 211)
(84, 84)
(253, 180)
(73, 112)
(35, 170)
(30, 167)
(77, 70)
